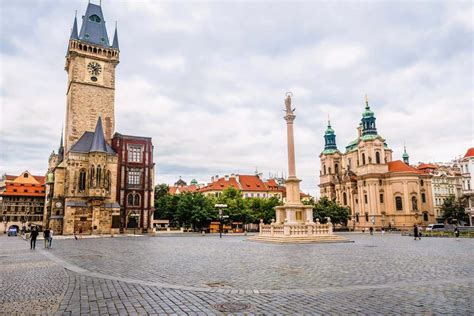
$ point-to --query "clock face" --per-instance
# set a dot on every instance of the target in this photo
(58, 204)
(94, 68)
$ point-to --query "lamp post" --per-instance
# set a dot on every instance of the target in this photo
(221, 216)
(5, 222)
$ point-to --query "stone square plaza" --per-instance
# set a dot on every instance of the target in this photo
(206, 275)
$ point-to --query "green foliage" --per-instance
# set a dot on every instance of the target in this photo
(197, 211)
(453, 211)
(324, 208)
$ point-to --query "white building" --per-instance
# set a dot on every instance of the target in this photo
(467, 170)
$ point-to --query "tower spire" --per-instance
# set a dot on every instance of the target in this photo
(115, 42)
(368, 120)
(61, 147)
(74, 34)
(405, 156)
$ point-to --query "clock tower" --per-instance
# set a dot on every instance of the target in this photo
(90, 64)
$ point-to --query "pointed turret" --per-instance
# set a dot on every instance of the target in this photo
(61, 148)
(115, 42)
(74, 34)
(98, 142)
(93, 28)
(329, 139)
(405, 156)
(368, 120)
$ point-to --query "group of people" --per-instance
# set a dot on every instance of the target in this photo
(47, 235)
(416, 232)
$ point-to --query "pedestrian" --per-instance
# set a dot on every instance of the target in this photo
(46, 237)
(382, 231)
(419, 233)
(415, 231)
(33, 236)
(80, 232)
(50, 237)
(456, 232)
(75, 236)
(371, 229)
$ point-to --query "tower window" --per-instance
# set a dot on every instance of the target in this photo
(423, 198)
(94, 18)
(365, 199)
(86, 35)
(377, 157)
(363, 158)
(381, 197)
(82, 180)
(134, 154)
(344, 197)
(134, 176)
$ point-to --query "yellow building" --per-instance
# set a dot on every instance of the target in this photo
(380, 192)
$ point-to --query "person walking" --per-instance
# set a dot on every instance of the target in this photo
(50, 238)
(415, 231)
(46, 237)
(456, 232)
(371, 229)
(419, 232)
(33, 236)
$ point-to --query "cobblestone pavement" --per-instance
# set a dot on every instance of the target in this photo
(193, 275)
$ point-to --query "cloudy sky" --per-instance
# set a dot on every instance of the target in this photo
(207, 80)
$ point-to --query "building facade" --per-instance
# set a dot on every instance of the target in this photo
(22, 200)
(83, 185)
(467, 170)
(379, 192)
(446, 182)
(135, 179)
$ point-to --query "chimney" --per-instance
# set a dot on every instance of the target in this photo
(226, 177)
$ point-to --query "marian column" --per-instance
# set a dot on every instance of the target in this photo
(293, 211)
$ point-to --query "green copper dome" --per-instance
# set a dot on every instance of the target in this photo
(194, 182)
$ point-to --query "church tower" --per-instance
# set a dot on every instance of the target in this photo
(90, 64)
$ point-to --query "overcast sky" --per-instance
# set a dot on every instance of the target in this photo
(207, 80)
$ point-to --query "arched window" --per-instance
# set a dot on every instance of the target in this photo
(98, 176)
(92, 178)
(399, 203)
(421, 182)
(425, 217)
(136, 200)
(363, 159)
(344, 198)
(377, 157)
(130, 199)
(423, 198)
(329, 170)
(82, 180)
(336, 168)
(107, 181)
(324, 167)
(357, 217)
(414, 203)
(366, 217)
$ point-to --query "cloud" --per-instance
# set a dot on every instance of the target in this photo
(206, 80)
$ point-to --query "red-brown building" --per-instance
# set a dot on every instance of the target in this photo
(135, 180)
(22, 199)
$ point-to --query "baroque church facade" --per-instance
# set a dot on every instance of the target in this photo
(87, 183)
(379, 191)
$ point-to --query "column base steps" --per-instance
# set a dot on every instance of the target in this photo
(300, 239)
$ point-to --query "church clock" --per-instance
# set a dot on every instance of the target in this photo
(94, 69)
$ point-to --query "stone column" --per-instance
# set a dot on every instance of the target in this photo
(289, 118)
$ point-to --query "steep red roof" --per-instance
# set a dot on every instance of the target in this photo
(400, 166)
(251, 183)
(23, 189)
(40, 179)
(220, 184)
(469, 153)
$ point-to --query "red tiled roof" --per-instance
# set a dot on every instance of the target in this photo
(400, 166)
(427, 166)
(182, 188)
(220, 184)
(469, 153)
(40, 179)
(251, 183)
(10, 177)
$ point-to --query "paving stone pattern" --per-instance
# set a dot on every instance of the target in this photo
(199, 275)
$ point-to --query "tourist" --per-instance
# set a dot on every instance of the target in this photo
(46, 237)
(419, 233)
(33, 236)
(371, 229)
(415, 231)
(382, 231)
(456, 232)
(50, 238)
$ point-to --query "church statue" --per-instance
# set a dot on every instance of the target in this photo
(288, 110)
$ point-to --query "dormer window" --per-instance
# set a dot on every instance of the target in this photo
(94, 18)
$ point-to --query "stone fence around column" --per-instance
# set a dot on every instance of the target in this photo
(298, 229)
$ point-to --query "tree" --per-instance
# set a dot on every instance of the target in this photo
(453, 211)
(324, 208)
(165, 203)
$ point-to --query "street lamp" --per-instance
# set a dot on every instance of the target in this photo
(5, 222)
(221, 216)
